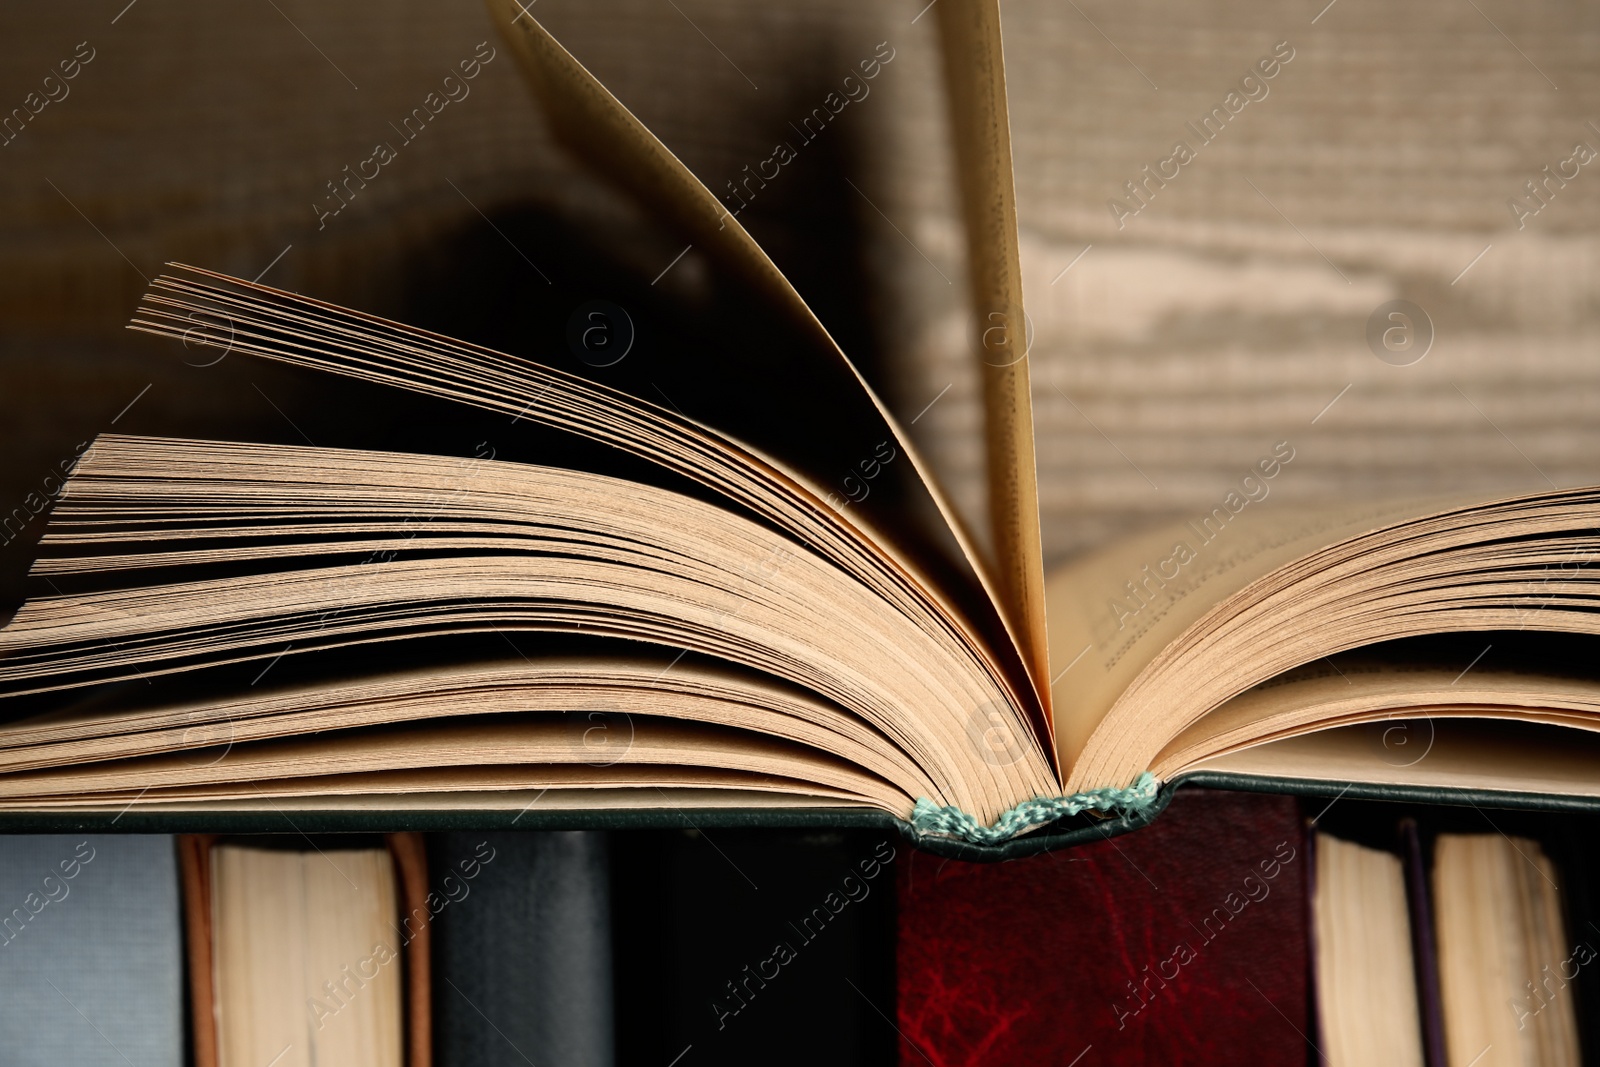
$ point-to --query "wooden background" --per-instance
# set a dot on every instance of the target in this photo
(1173, 354)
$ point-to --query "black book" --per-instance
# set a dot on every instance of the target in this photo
(522, 950)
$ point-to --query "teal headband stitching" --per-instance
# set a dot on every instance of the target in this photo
(928, 818)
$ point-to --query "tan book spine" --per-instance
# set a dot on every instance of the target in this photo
(411, 865)
(194, 872)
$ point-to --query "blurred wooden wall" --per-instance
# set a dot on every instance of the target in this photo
(1221, 319)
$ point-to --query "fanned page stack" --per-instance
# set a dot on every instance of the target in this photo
(768, 605)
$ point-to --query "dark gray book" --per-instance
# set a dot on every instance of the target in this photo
(91, 952)
(522, 949)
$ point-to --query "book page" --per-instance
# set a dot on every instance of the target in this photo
(307, 967)
(1478, 754)
(848, 431)
(1113, 611)
(1499, 919)
(1401, 691)
(514, 788)
(1365, 971)
(976, 83)
(497, 790)
(517, 550)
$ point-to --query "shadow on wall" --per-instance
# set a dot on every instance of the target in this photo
(514, 279)
(526, 279)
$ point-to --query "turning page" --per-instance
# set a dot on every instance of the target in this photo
(904, 505)
(975, 80)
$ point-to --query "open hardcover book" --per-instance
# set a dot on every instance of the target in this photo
(758, 600)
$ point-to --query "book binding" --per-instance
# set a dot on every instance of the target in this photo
(931, 820)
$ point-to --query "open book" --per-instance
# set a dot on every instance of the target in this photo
(759, 598)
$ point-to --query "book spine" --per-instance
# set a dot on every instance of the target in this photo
(411, 877)
(194, 867)
(522, 949)
(1424, 949)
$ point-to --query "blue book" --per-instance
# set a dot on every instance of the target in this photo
(91, 952)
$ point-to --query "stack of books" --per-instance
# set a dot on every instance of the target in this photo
(717, 585)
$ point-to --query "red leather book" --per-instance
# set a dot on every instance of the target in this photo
(1184, 942)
